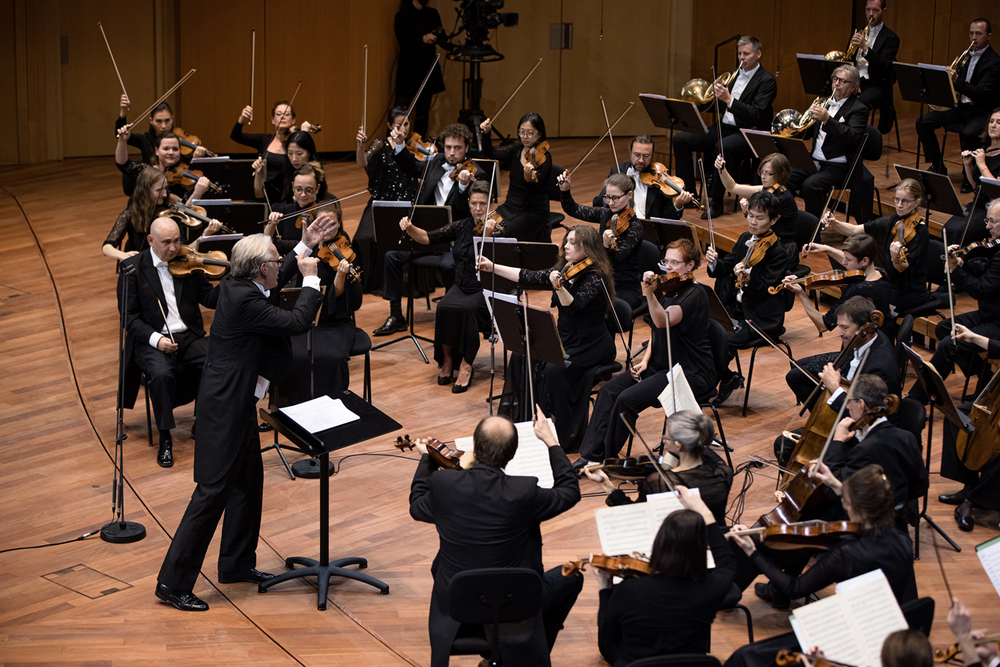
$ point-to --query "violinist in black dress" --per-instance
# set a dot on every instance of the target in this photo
(270, 146)
(639, 386)
(284, 225)
(774, 172)
(582, 301)
(132, 224)
(166, 158)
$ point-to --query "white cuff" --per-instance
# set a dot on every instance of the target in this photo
(311, 281)
(833, 397)
(301, 247)
(462, 187)
(398, 149)
(154, 339)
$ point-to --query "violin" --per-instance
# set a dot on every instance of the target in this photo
(620, 566)
(189, 143)
(786, 657)
(978, 245)
(421, 149)
(754, 255)
(890, 407)
(905, 229)
(571, 271)
(634, 467)
(669, 282)
(670, 186)
(618, 224)
(802, 535)
(179, 174)
(190, 216)
(337, 251)
(536, 157)
(441, 454)
(946, 654)
(498, 226)
(820, 280)
(188, 261)
(313, 129)
(469, 166)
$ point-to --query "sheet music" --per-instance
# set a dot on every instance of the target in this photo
(873, 608)
(221, 237)
(625, 529)
(989, 556)
(212, 202)
(939, 68)
(531, 458)
(826, 624)
(809, 56)
(391, 204)
(678, 385)
(320, 414)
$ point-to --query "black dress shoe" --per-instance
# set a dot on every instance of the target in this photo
(183, 600)
(956, 498)
(392, 325)
(966, 186)
(165, 457)
(250, 577)
(964, 521)
(938, 169)
(445, 379)
(716, 210)
(462, 388)
(264, 427)
(727, 387)
(767, 593)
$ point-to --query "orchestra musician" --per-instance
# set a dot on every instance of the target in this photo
(133, 223)
(161, 121)
(648, 202)
(746, 103)
(462, 315)
(308, 189)
(440, 189)
(774, 171)
(980, 278)
(248, 348)
(671, 610)
(300, 150)
(906, 271)
(689, 437)
(977, 86)
(837, 134)
(170, 350)
(623, 248)
(867, 497)
(486, 518)
(980, 488)
(639, 387)
(525, 212)
(758, 261)
(167, 156)
(270, 146)
(582, 302)
(874, 60)
(859, 253)
(386, 182)
(416, 26)
(960, 622)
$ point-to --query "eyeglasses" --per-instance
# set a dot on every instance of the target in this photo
(856, 400)
(902, 202)
(840, 79)
(276, 261)
(992, 221)
(613, 199)
(674, 262)
(526, 133)
(304, 191)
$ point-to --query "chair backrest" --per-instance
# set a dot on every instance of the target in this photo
(649, 257)
(912, 416)
(903, 336)
(686, 659)
(919, 614)
(495, 595)
(554, 184)
(624, 312)
(873, 147)
(720, 347)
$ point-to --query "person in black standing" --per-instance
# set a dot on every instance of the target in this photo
(247, 350)
(874, 60)
(416, 25)
(271, 146)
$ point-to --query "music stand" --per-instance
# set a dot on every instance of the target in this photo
(372, 423)
(937, 395)
(941, 195)
(242, 217)
(235, 177)
(764, 143)
(990, 189)
(530, 255)
(388, 237)
(661, 232)
(817, 73)
(926, 84)
(717, 310)
(668, 113)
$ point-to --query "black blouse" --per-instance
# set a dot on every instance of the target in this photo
(461, 232)
(145, 142)
(689, 342)
(787, 224)
(123, 226)
(275, 182)
(914, 279)
(386, 181)
(521, 195)
(879, 291)
(582, 321)
(626, 258)
(131, 169)
(338, 310)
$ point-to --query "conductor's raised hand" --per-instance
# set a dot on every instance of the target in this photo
(542, 429)
(308, 266)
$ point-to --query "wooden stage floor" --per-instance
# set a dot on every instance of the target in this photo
(91, 602)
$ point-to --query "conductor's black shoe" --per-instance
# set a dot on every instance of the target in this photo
(392, 325)
(964, 521)
(956, 498)
(250, 577)
(727, 387)
(165, 457)
(767, 593)
(183, 600)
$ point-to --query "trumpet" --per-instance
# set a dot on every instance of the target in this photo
(790, 123)
(852, 48)
(701, 93)
(957, 64)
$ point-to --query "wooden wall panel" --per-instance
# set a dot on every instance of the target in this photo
(8, 69)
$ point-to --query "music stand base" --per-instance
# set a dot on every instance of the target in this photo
(930, 522)
(123, 532)
(309, 469)
(411, 336)
(313, 568)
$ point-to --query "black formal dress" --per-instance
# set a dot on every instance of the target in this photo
(910, 286)
(876, 87)
(415, 58)
(249, 340)
(689, 341)
(663, 615)
(879, 291)
(654, 203)
(525, 212)
(753, 110)
(274, 184)
(169, 377)
(843, 134)
(983, 91)
(624, 259)
(485, 518)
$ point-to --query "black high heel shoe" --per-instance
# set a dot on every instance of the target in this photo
(462, 388)
(445, 379)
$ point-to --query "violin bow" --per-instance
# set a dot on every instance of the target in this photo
(316, 207)
(294, 95)
(614, 151)
(652, 456)
(253, 61)
(527, 350)
(968, 220)
(708, 209)
(482, 243)
(947, 275)
(420, 188)
(819, 222)
(611, 127)
(670, 359)
(165, 325)
(162, 97)
(420, 90)
(843, 406)
(523, 81)
(773, 343)
(364, 106)
(718, 117)
(125, 92)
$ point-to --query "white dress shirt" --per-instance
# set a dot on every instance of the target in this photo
(640, 193)
(817, 153)
(861, 60)
(742, 79)
(174, 323)
(445, 185)
(973, 61)
(859, 353)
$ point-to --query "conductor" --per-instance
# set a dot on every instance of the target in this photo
(248, 348)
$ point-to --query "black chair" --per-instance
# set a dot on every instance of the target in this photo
(649, 260)
(681, 659)
(720, 348)
(919, 614)
(732, 602)
(607, 371)
(491, 596)
(753, 358)
(955, 128)
(363, 346)
(426, 265)
(911, 416)
(889, 108)
(904, 334)
(864, 182)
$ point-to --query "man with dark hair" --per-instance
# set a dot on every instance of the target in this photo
(442, 187)
(742, 279)
(874, 60)
(486, 518)
(745, 103)
(648, 202)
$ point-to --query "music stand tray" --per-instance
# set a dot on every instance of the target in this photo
(763, 143)
(816, 72)
(372, 424)
(243, 217)
(668, 113)
(941, 195)
(661, 232)
(234, 176)
(990, 189)
(530, 255)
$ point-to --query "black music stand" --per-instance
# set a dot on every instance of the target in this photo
(941, 195)
(373, 423)
(661, 232)
(817, 73)
(764, 143)
(242, 217)
(235, 176)
(668, 113)
(717, 310)
(933, 385)
(530, 255)
(926, 84)
(389, 237)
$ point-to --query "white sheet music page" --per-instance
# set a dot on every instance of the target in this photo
(531, 458)
(624, 529)
(873, 608)
(320, 414)
(678, 385)
(989, 556)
